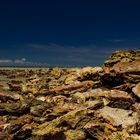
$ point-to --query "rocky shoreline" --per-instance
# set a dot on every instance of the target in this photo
(88, 103)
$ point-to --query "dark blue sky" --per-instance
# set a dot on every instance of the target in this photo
(66, 32)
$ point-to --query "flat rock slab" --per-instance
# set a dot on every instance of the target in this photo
(82, 85)
(119, 117)
(127, 67)
(112, 94)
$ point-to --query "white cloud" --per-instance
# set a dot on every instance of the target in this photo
(23, 59)
(5, 61)
(20, 61)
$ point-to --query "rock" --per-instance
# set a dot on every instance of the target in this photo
(14, 108)
(60, 109)
(89, 70)
(6, 95)
(136, 90)
(56, 72)
(122, 135)
(40, 110)
(127, 67)
(122, 70)
(78, 87)
(119, 117)
(136, 107)
(90, 73)
(14, 87)
(18, 125)
(75, 135)
(122, 74)
(119, 99)
(76, 118)
(71, 119)
(49, 129)
(32, 85)
(114, 98)
(122, 56)
(99, 130)
(42, 98)
(72, 103)
(112, 94)
(124, 87)
(82, 97)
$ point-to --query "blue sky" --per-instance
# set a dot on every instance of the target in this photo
(66, 33)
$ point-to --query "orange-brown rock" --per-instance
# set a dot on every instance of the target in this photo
(127, 67)
(136, 90)
(79, 86)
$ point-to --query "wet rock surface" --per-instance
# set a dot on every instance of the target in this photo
(72, 103)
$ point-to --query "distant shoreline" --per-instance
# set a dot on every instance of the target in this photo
(38, 67)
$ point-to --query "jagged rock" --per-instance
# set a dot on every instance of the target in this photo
(136, 90)
(14, 87)
(124, 71)
(132, 78)
(125, 87)
(60, 109)
(42, 98)
(6, 95)
(19, 126)
(123, 75)
(73, 119)
(72, 103)
(79, 87)
(114, 98)
(19, 107)
(127, 67)
(75, 135)
(99, 130)
(136, 107)
(112, 94)
(59, 99)
(56, 72)
(40, 110)
(122, 56)
(89, 70)
(81, 98)
(122, 135)
(71, 78)
(90, 73)
(69, 120)
(32, 85)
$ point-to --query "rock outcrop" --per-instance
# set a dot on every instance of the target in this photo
(88, 103)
